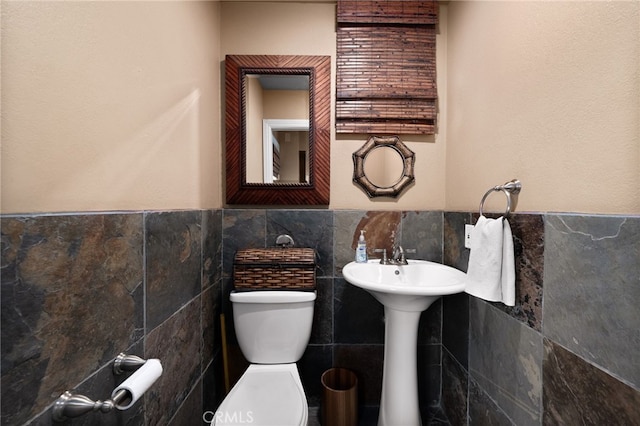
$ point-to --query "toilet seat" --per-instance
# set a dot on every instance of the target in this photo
(265, 395)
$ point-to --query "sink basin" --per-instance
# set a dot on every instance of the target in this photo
(405, 291)
(412, 287)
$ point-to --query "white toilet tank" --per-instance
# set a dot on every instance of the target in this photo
(273, 327)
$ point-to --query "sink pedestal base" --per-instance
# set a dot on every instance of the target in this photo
(405, 291)
(399, 404)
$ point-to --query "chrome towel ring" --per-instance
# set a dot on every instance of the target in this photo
(512, 187)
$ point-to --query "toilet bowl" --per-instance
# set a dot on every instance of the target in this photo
(265, 395)
(273, 329)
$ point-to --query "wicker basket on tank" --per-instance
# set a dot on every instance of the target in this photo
(275, 269)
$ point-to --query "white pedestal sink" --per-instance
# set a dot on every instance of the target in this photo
(405, 291)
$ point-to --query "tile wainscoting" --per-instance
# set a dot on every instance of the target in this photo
(79, 288)
(568, 360)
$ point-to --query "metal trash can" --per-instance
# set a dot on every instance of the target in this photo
(339, 397)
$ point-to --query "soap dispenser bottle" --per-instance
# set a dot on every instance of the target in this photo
(361, 249)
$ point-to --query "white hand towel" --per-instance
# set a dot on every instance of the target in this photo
(491, 272)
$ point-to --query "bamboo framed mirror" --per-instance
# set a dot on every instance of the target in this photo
(383, 167)
(259, 91)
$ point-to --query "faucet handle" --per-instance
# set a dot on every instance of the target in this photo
(384, 260)
(400, 258)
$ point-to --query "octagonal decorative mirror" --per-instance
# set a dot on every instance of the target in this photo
(383, 167)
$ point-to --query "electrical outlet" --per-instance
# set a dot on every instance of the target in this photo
(467, 235)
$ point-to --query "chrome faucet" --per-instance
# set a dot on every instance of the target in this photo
(398, 257)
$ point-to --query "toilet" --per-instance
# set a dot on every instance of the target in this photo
(273, 329)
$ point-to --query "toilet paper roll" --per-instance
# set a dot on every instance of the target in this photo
(138, 383)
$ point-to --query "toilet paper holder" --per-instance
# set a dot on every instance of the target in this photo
(70, 405)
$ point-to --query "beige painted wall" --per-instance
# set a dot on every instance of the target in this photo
(110, 106)
(254, 113)
(250, 28)
(548, 92)
(116, 105)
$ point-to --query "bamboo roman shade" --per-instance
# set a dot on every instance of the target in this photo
(386, 67)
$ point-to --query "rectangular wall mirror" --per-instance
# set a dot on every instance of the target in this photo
(277, 129)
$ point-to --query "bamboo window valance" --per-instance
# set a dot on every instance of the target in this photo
(386, 67)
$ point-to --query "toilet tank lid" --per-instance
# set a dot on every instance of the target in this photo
(272, 296)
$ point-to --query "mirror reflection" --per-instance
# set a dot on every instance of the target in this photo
(277, 128)
(383, 166)
(285, 156)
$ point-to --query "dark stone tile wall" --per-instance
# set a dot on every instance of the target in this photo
(506, 362)
(576, 392)
(528, 245)
(173, 244)
(564, 361)
(455, 388)
(77, 289)
(455, 324)
(592, 285)
(349, 323)
(483, 410)
(592, 289)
